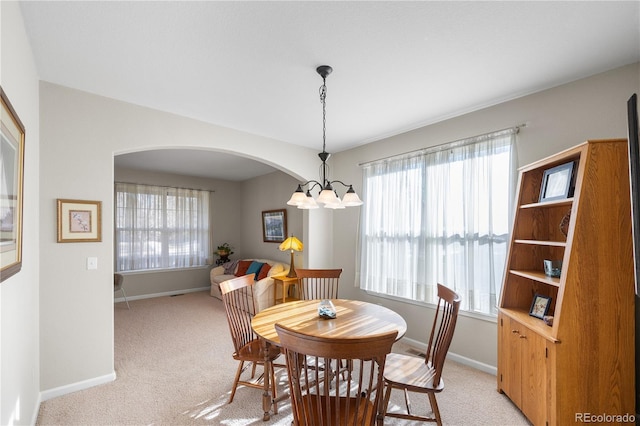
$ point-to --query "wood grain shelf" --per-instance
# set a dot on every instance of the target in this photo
(537, 276)
(542, 243)
(557, 203)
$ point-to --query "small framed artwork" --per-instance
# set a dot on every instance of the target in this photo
(79, 221)
(11, 190)
(556, 182)
(274, 226)
(540, 306)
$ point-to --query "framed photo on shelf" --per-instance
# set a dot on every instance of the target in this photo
(79, 221)
(540, 306)
(556, 182)
(11, 190)
(274, 226)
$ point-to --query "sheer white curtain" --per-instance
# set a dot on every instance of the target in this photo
(440, 216)
(160, 227)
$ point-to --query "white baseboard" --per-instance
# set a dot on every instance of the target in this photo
(489, 369)
(167, 293)
(34, 416)
(78, 386)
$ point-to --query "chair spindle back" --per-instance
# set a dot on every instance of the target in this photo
(318, 283)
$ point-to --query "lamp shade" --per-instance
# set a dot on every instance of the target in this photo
(297, 198)
(291, 243)
(351, 198)
(309, 203)
(327, 197)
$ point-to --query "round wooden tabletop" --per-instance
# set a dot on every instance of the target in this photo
(354, 319)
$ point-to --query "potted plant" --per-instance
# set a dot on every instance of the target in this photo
(225, 249)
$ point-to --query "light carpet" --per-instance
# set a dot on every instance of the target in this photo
(174, 367)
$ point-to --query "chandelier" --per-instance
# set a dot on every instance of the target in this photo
(328, 197)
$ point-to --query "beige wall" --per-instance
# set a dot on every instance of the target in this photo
(81, 133)
(268, 192)
(592, 108)
(19, 294)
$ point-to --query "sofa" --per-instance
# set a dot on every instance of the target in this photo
(264, 286)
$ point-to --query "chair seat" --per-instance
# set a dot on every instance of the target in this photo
(254, 352)
(362, 416)
(410, 372)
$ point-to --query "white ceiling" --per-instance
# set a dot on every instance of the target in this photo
(251, 66)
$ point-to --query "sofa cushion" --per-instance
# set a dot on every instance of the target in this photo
(243, 265)
(277, 269)
(254, 268)
(264, 271)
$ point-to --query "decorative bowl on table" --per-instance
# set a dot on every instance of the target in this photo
(326, 309)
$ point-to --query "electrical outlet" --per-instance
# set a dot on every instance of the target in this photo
(92, 263)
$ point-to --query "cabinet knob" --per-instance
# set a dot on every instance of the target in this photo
(522, 336)
(515, 331)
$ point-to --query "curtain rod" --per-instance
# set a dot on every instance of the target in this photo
(516, 129)
(165, 186)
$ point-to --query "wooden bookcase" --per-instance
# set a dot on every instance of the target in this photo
(584, 362)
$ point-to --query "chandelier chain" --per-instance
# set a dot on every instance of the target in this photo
(323, 99)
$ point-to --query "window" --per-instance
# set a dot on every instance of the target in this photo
(440, 216)
(160, 227)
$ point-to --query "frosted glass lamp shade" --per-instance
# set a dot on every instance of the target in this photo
(327, 197)
(351, 198)
(297, 198)
(309, 203)
(338, 205)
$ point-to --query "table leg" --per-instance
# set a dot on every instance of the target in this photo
(266, 394)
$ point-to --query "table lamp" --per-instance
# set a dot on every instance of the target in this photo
(293, 244)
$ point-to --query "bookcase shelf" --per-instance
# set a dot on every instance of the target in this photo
(542, 243)
(543, 368)
(537, 276)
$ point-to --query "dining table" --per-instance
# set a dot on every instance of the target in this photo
(354, 319)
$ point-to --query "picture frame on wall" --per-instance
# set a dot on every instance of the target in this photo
(274, 226)
(79, 221)
(557, 182)
(12, 136)
(540, 306)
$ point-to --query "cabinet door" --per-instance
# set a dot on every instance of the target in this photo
(510, 355)
(534, 376)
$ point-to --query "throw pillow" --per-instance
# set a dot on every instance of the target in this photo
(229, 267)
(263, 271)
(243, 265)
(254, 268)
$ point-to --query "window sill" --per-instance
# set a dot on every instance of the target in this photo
(153, 271)
(474, 315)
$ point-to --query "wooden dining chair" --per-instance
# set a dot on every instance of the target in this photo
(320, 399)
(424, 375)
(248, 349)
(318, 283)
